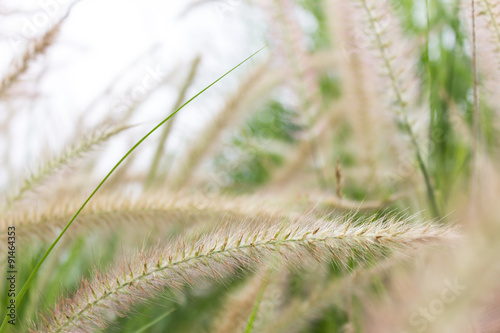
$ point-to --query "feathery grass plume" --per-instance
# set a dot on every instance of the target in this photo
(166, 131)
(291, 44)
(34, 272)
(483, 25)
(58, 162)
(380, 26)
(217, 255)
(146, 212)
(295, 61)
(36, 47)
(204, 145)
(359, 90)
(396, 66)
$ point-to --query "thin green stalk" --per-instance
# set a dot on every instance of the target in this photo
(256, 306)
(154, 322)
(25, 287)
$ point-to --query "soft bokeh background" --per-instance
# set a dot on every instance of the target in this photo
(117, 44)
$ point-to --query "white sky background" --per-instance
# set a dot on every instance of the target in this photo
(99, 40)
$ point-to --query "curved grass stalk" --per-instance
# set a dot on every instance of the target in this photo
(55, 164)
(256, 306)
(154, 322)
(217, 255)
(27, 284)
(205, 143)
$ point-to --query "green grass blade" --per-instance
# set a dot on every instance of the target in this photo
(154, 322)
(256, 306)
(25, 287)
